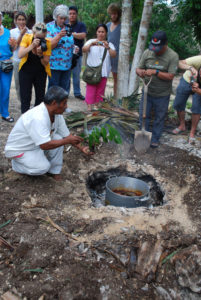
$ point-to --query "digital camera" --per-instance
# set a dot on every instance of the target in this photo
(43, 44)
(100, 43)
(68, 30)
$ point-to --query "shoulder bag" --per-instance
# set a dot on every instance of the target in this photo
(93, 75)
(6, 65)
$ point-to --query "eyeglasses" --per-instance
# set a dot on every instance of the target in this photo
(41, 29)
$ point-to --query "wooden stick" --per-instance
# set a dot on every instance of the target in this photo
(49, 220)
(4, 242)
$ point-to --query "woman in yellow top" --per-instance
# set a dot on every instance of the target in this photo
(34, 51)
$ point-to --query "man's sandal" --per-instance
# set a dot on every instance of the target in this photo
(177, 131)
(191, 140)
(8, 119)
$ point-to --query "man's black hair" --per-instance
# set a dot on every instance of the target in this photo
(56, 93)
(73, 7)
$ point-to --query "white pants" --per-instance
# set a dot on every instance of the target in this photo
(39, 162)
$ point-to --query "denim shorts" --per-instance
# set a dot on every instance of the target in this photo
(183, 92)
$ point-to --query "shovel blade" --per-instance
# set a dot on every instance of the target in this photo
(142, 141)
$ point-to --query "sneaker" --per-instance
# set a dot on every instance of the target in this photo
(80, 97)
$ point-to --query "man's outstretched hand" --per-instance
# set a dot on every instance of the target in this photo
(84, 149)
(73, 139)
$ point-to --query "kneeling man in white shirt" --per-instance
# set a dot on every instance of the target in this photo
(37, 140)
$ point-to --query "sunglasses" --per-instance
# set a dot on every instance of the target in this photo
(41, 29)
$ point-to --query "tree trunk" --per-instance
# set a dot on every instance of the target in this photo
(142, 38)
(124, 50)
(39, 11)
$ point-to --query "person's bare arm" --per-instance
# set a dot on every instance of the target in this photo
(184, 66)
(162, 75)
(22, 32)
(195, 88)
(86, 48)
(140, 72)
(79, 36)
(43, 58)
(112, 52)
(56, 39)
(71, 139)
(24, 50)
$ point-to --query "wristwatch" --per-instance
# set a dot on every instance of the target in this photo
(157, 71)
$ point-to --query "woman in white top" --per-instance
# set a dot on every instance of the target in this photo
(95, 49)
(18, 33)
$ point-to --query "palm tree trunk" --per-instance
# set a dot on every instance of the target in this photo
(141, 42)
(124, 50)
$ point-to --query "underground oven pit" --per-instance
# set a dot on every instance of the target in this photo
(96, 185)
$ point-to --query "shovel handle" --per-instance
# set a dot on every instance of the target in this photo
(145, 102)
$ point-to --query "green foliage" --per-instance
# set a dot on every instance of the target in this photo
(181, 22)
(93, 13)
(189, 13)
(7, 21)
(104, 134)
(180, 35)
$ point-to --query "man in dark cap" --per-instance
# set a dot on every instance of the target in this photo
(79, 32)
(159, 62)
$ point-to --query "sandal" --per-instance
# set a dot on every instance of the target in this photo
(8, 119)
(191, 140)
(154, 145)
(177, 131)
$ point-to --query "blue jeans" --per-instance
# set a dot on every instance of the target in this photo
(184, 90)
(59, 78)
(76, 78)
(160, 108)
(5, 82)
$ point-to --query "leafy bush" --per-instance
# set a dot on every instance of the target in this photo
(7, 21)
(104, 134)
(180, 35)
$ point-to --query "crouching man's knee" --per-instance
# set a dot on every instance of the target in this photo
(31, 164)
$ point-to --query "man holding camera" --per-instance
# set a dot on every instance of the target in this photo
(190, 84)
(34, 52)
(62, 47)
(79, 33)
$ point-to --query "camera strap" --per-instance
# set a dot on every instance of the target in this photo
(104, 55)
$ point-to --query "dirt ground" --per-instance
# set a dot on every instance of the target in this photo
(100, 253)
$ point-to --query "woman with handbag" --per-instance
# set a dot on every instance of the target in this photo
(17, 33)
(99, 53)
(34, 51)
(6, 47)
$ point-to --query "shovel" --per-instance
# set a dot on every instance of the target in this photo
(143, 137)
